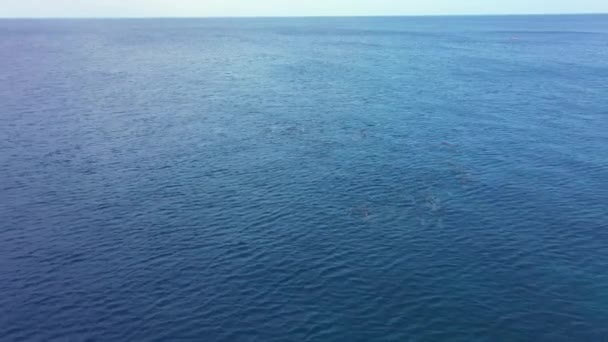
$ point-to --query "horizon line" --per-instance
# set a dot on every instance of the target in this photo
(309, 16)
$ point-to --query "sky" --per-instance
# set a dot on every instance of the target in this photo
(221, 8)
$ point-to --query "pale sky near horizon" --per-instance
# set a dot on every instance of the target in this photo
(211, 8)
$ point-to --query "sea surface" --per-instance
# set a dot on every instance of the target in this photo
(304, 179)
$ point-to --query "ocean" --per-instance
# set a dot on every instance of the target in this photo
(304, 179)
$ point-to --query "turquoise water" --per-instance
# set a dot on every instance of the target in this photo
(322, 179)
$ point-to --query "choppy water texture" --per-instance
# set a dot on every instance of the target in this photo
(369, 179)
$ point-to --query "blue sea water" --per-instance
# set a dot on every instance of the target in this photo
(304, 179)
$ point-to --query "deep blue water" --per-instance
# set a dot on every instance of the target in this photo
(336, 179)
